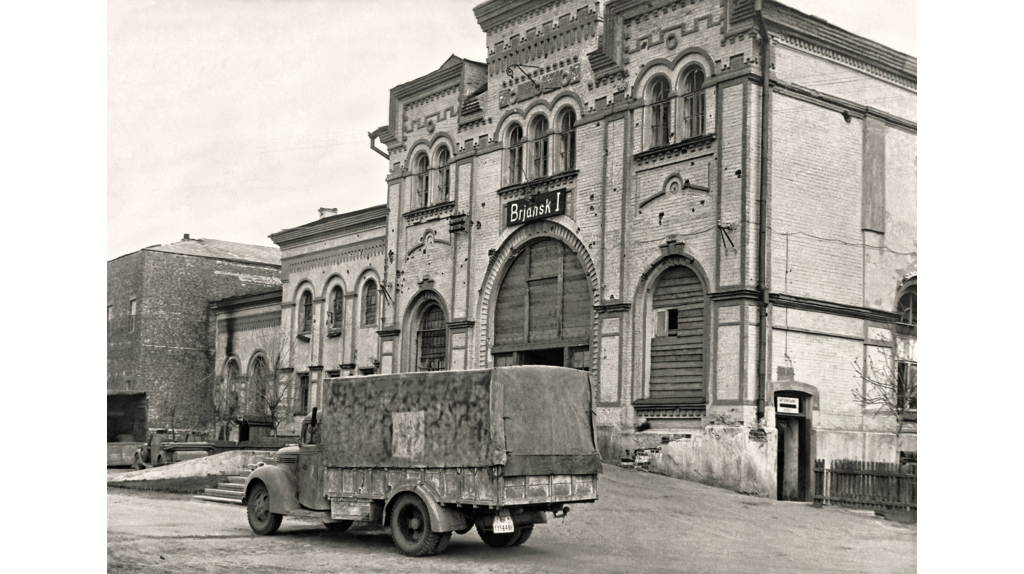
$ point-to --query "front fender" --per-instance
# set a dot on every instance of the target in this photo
(281, 484)
(441, 519)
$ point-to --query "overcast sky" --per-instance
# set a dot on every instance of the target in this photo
(233, 119)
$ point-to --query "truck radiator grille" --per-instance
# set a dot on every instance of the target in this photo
(287, 458)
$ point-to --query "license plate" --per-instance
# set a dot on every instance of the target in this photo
(503, 524)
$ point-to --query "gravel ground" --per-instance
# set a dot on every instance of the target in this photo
(642, 523)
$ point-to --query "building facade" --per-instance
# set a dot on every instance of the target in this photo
(710, 205)
(615, 190)
(160, 336)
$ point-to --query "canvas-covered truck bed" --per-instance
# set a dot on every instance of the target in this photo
(512, 422)
(494, 448)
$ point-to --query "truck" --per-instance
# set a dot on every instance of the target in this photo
(429, 454)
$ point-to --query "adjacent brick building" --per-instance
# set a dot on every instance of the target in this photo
(614, 190)
(160, 333)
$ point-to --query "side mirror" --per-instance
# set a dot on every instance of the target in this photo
(312, 420)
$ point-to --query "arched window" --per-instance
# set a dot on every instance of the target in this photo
(693, 103)
(430, 340)
(515, 155)
(370, 303)
(422, 167)
(677, 349)
(260, 379)
(660, 112)
(567, 140)
(539, 136)
(337, 314)
(443, 176)
(306, 319)
(907, 309)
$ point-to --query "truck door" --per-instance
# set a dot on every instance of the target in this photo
(311, 469)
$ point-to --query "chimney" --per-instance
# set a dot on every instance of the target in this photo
(186, 237)
(327, 211)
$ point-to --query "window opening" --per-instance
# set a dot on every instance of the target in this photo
(693, 103)
(131, 315)
(906, 385)
(431, 340)
(567, 140)
(304, 393)
(540, 147)
(337, 308)
(422, 176)
(370, 303)
(660, 116)
(907, 309)
(515, 155)
(443, 175)
(307, 312)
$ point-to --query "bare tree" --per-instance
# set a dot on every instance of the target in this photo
(890, 385)
(225, 404)
(266, 393)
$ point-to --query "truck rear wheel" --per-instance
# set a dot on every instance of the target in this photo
(524, 535)
(339, 526)
(495, 540)
(261, 519)
(410, 527)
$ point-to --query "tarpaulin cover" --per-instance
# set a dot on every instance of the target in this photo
(531, 420)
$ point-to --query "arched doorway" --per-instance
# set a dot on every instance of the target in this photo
(543, 311)
(795, 449)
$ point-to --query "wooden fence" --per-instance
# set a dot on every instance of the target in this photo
(860, 484)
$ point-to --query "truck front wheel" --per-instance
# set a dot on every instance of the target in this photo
(261, 519)
(410, 527)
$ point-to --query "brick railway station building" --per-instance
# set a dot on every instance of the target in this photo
(616, 190)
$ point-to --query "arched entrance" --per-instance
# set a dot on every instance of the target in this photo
(796, 449)
(542, 311)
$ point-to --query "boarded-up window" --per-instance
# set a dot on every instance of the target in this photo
(337, 308)
(430, 340)
(544, 300)
(306, 321)
(677, 349)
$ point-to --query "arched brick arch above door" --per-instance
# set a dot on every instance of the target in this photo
(503, 259)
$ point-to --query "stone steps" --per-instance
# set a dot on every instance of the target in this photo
(229, 492)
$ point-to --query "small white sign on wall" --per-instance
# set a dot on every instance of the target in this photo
(787, 405)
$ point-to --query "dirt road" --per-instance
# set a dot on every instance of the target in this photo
(642, 523)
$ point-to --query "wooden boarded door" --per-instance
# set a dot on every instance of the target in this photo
(677, 349)
(543, 309)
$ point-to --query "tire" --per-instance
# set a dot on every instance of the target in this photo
(340, 526)
(494, 540)
(410, 527)
(442, 543)
(524, 535)
(261, 519)
(465, 530)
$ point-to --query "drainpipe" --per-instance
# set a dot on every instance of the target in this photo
(762, 208)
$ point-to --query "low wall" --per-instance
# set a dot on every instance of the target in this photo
(717, 455)
(217, 464)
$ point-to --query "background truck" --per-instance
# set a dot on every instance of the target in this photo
(429, 454)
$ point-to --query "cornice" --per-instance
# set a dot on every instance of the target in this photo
(429, 82)
(806, 304)
(388, 332)
(494, 13)
(247, 301)
(612, 308)
(461, 324)
(565, 179)
(842, 105)
(430, 212)
(345, 222)
(677, 149)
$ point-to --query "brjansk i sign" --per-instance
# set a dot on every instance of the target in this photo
(540, 206)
